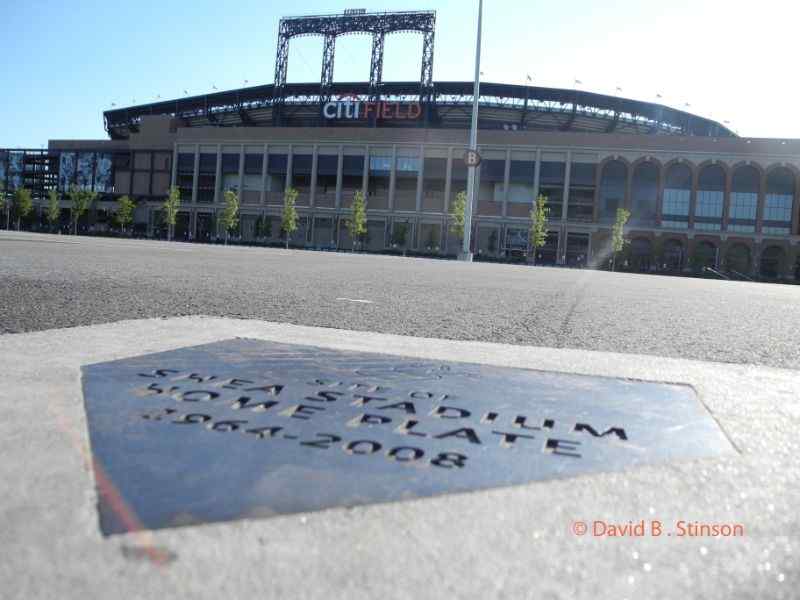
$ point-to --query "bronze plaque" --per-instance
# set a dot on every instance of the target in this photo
(248, 428)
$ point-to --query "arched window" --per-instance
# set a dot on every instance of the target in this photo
(744, 200)
(710, 198)
(644, 193)
(612, 189)
(677, 197)
(779, 202)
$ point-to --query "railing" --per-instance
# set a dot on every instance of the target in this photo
(742, 275)
(715, 272)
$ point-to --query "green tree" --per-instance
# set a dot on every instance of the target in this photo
(357, 224)
(289, 217)
(81, 202)
(53, 213)
(230, 214)
(23, 204)
(537, 235)
(171, 207)
(457, 216)
(125, 208)
(618, 240)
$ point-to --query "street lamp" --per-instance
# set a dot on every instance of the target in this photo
(466, 254)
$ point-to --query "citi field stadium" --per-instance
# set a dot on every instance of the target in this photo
(700, 197)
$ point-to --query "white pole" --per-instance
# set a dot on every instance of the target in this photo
(473, 144)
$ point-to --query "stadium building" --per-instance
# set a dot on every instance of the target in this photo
(699, 195)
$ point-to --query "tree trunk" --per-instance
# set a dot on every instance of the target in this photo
(226, 237)
(613, 262)
(18, 223)
(287, 241)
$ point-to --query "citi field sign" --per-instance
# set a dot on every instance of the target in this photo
(350, 108)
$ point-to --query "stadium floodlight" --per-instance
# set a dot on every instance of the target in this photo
(466, 254)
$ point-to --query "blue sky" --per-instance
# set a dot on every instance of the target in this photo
(66, 62)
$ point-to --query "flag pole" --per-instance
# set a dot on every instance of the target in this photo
(466, 253)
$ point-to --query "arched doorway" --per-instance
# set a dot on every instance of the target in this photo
(738, 259)
(705, 255)
(673, 255)
(641, 254)
(771, 264)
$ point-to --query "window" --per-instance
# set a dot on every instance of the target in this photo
(778, 207)
(709, 204)
(644, 193)
(710, 199)
(380, 167)
(407, 164)
(491, 182)
(771, 230)
(327, 166)
(581, 192)
(707, 226)
(208, 163)
(677, 197)
(434, 176)
(744, 200)
(301, 171)
(380, 164)
(276, 171)
(230, 163)
(406, 176)
(206, 183)
(252, 182)
(253, 164)
(521, 175)
(674, 224)
(743, 205)
(779, 200)
(612, 189)
(123, 161)
(230, 182)
(352, 173)
(676, 202)
(551, 185)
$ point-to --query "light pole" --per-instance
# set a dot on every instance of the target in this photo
(466, 255)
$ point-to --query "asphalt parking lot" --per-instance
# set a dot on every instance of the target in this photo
(50, 281)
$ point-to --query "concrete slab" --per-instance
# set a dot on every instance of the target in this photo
(516, 542)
